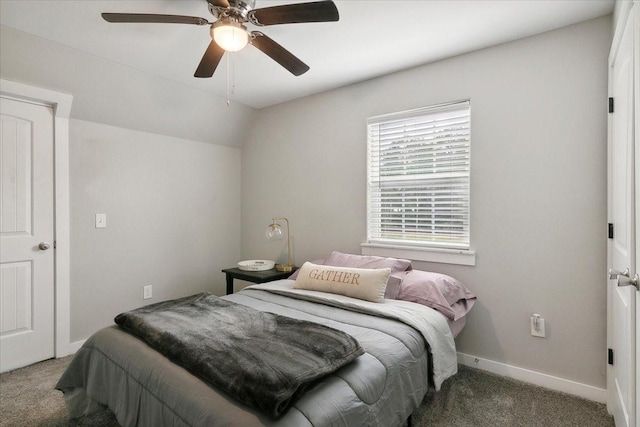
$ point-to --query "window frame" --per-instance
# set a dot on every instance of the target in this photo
(428, 250)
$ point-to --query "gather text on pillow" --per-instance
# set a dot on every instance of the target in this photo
(335, 276)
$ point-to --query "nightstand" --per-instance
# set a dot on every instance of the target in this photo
(254, 276)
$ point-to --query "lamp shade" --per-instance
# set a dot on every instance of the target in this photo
(274, 232)
(229, 35)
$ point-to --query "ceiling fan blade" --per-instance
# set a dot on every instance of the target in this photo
(210, 60)
(218, 3)
(153, 18)
(319, 11)
(279, 54)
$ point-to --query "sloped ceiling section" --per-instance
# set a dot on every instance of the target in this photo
(140, 76)
(118, 95)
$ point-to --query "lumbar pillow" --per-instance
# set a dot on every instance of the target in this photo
(362, 283)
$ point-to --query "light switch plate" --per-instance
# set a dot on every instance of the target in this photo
(101, 220)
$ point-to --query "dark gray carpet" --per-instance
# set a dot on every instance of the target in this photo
(477, 398)
(472, 398)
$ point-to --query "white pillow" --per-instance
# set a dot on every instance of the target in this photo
(362, 283)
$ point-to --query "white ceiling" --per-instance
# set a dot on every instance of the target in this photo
(372, 38)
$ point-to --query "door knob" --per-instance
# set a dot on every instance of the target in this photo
(614, 274)
(44, 246)
(628, 281)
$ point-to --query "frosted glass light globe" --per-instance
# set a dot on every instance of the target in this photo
(229, 35)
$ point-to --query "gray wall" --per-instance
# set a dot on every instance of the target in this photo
(173, 220)
(538, 188)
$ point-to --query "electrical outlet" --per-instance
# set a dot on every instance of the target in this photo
(537, 326)
(147, 292)
(101, 220)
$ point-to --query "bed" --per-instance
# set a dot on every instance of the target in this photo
(408, 347)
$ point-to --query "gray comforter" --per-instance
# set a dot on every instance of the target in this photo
(380, 388)
(262, 359)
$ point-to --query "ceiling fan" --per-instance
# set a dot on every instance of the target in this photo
(229, 32)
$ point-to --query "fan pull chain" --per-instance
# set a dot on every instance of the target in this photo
(231, 80)
(233, 76)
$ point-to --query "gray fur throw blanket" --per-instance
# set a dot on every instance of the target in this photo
(262, 359)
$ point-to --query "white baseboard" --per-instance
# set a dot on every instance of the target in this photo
(543, 380)
(75, 346)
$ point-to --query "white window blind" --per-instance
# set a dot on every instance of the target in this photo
(419, 177)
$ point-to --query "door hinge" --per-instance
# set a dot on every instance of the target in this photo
(611, 105)
(54, 244)
(610, 356)
(610, 230)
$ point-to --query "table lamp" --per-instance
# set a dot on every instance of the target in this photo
(274, 232)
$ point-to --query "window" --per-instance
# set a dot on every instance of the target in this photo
(419, 177)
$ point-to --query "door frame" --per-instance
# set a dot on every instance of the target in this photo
(61, 105)
(636, 60)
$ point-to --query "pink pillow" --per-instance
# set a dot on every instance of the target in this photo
(438, 291)
(338, 259)
(393, 285)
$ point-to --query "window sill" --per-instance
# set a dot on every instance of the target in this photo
(444, 256)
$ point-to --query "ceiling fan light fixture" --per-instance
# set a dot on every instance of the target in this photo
(229, 35)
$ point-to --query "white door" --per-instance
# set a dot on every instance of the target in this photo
(622, 299)
(26, 234)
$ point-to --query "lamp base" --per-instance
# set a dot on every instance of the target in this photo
(284, 268)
